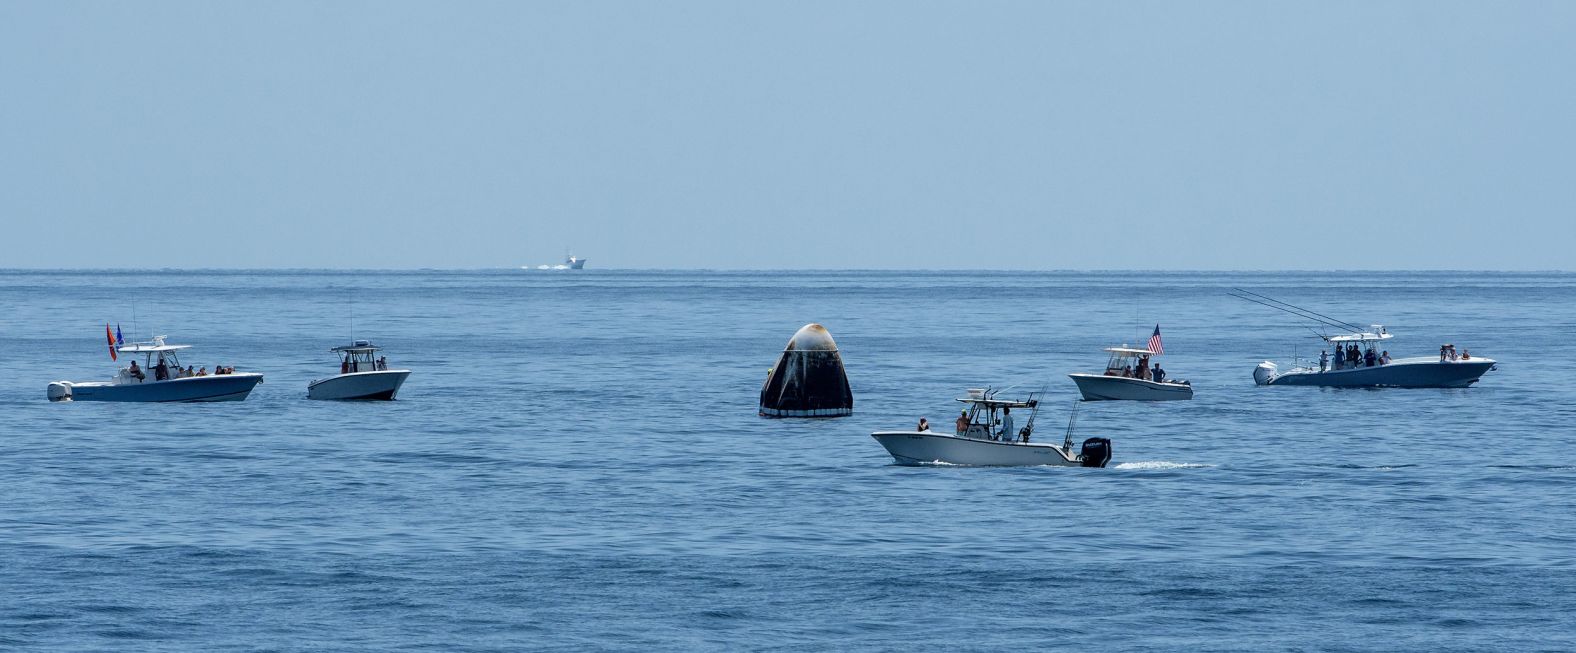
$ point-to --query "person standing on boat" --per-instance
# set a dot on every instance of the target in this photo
(1324, 360)
(1159, 374)
(1006, 424)
(161, 372)
(963, 422)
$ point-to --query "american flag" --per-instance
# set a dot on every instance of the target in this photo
(1154, 342)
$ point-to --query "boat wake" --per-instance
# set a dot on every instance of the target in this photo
(1159, 464)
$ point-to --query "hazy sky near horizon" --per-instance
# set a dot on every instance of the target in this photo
(1021, 135)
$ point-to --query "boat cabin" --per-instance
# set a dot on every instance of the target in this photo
(1128, 362)
(360, 356)
(982, 419)
(159, 361)
(1354, 350)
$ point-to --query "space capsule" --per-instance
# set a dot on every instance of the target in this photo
(809, 379)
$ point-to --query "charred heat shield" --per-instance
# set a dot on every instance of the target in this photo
(809, 380)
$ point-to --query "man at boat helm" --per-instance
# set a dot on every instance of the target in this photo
(1006, 424)
(963, 422)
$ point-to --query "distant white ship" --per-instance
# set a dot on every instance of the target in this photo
(571, 262)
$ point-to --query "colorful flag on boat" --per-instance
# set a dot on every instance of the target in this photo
(118, 340)
(111, 337)
(1154, 342)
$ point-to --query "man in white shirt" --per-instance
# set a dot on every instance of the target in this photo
(1007, 432)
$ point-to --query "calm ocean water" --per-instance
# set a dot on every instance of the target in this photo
(576, 463)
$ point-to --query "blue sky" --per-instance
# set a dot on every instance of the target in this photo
(1020, 135)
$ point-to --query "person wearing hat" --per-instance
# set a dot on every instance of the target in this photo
(963, 422)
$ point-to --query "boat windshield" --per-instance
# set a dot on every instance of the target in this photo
(361, 360)
(1130, 363)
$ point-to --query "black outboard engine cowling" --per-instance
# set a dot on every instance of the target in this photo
(1095, 452)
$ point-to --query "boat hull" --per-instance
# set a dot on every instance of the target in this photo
(381, 385)
(928, 448)
(221, 387)
(1406, 373)
(1099, 387)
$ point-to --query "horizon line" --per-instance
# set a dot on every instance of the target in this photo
(806, 269)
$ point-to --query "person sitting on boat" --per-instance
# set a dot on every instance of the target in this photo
(1006, 424)
(136, 372)
(924, 425)
(1452, 349)
(1466, 355)
(203, 371)
(383, 363)
(963, 422)
(1384, 359)
(1127, 372)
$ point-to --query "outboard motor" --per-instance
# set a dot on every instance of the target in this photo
(1095, 452)
(60, 391)
(1265, 373)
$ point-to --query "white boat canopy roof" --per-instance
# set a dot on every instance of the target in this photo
(1129, 351)
(152, 347)
(1360, 337)
(997, 403)
(357, 346)
(149, 348)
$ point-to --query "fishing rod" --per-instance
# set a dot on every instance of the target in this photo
(1067, 444)
(1304, 316)
(1296, 310)
(1277, 301)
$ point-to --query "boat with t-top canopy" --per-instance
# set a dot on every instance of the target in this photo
(160, 378)
(1128, 376)
(1359, 359)
(985, 435)
(363, 374)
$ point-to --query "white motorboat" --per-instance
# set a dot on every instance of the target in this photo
(984, 436)
(1128, 377)
(1361, 363)
(159, 379)
(574, 262)
(362, 375)
(1359, 360)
